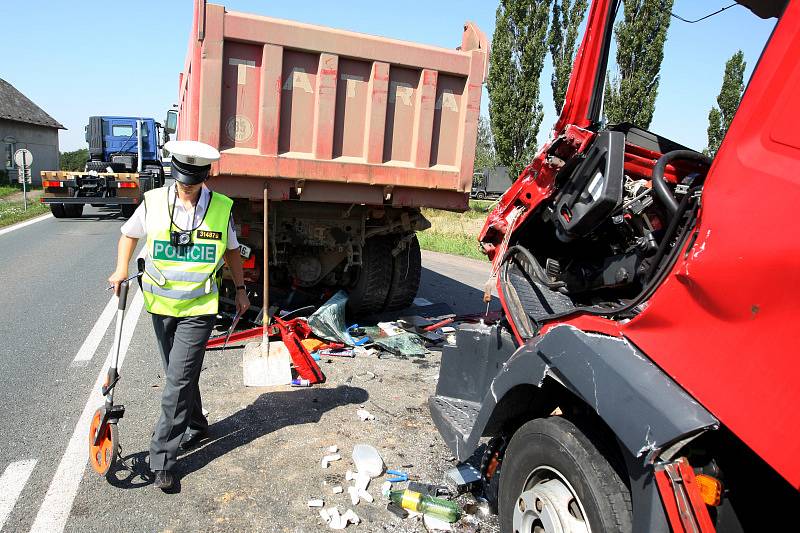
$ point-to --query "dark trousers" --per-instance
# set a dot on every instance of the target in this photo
(182, 343)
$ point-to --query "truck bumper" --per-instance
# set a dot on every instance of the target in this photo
(88, 200)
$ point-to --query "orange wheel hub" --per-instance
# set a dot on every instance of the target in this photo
(102, 454)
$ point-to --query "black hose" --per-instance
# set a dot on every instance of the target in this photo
(666, 240)
(663, 194)
(538, 272)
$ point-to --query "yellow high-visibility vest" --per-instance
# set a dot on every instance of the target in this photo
(183, 281)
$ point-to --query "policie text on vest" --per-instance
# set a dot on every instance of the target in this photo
(196, 253)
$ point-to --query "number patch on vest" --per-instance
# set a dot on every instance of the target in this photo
(212, 235)
(197, 253)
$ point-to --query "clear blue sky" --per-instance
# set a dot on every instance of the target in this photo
(94, 57)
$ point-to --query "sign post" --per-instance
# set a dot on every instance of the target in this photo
(23, 158)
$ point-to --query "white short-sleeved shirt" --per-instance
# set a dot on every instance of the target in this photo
(136, 226)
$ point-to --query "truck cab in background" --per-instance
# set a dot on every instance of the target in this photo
(489, 183)
(643, 373)
(124, 162)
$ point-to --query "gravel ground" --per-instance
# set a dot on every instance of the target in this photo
(263, 462)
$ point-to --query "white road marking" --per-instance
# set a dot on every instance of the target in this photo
(422, 302)
(9, 229)
(54, 512)
(11, 484)
(89, 346)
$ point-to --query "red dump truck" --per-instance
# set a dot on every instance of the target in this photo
(347, 134)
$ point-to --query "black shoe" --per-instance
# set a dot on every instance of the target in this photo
(192, 439)
(164, 480)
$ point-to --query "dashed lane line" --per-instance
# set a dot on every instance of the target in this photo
(57, 505)
(11, 484)
(89, 346)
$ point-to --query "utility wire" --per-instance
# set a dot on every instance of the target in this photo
(703, 18)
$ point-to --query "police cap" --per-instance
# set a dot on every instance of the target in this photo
(191, 160)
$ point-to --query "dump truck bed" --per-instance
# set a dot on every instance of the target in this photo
(329, 115)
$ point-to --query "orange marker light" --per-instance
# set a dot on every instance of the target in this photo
(710, 489)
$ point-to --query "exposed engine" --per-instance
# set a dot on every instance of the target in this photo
(602, 236)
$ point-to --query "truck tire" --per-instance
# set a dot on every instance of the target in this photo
(58, 210)
(481, 195)
(74, 210)
(552, 469)
(127, 210)
(406, 270)
(368, 294)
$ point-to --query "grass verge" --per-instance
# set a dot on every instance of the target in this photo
(13, 212)
(455, 233)
(7, 190)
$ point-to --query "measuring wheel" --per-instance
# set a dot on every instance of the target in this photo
(103, 443)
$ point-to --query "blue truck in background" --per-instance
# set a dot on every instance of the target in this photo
(124, 162)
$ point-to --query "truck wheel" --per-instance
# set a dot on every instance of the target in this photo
(58, 210)
(555, 479)
(74, 210)
(127, 210)
(481, 195)
(368, 295)
(406, 270)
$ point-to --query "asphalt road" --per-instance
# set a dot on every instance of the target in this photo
(56, 328)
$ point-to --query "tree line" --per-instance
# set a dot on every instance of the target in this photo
(526, 30)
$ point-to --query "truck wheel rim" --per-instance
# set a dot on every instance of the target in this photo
(549, 504)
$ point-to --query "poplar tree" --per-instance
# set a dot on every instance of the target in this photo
(631, 95)
(519, 46)
(484, 148)
(721, 115)
(567, 16)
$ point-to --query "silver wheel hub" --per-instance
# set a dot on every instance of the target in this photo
(548, 504)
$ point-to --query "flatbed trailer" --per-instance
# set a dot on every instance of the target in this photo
(67, 192)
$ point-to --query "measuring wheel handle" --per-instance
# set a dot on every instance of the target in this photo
(104, 445)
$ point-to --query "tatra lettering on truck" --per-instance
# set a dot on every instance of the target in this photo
(643, 376)
(349, 134)
(124, 163)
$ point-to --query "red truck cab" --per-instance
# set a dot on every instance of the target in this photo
(643, 377)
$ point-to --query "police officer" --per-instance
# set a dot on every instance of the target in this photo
(190, 235)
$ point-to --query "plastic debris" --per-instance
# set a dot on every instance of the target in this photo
(349, 475)
(353, 492)
(390, 328)
(316, 503)
(324, 515)
(367, 460)
(336, 521)
(333, 449)
(364, 495)
(362, 481)
(365, 415)
(328, 459)
(351, 517)
(337, 489)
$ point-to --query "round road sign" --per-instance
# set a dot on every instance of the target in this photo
(23, 153)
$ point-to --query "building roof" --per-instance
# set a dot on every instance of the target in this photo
(16, 106)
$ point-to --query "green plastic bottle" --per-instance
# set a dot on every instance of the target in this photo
(429, 505)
